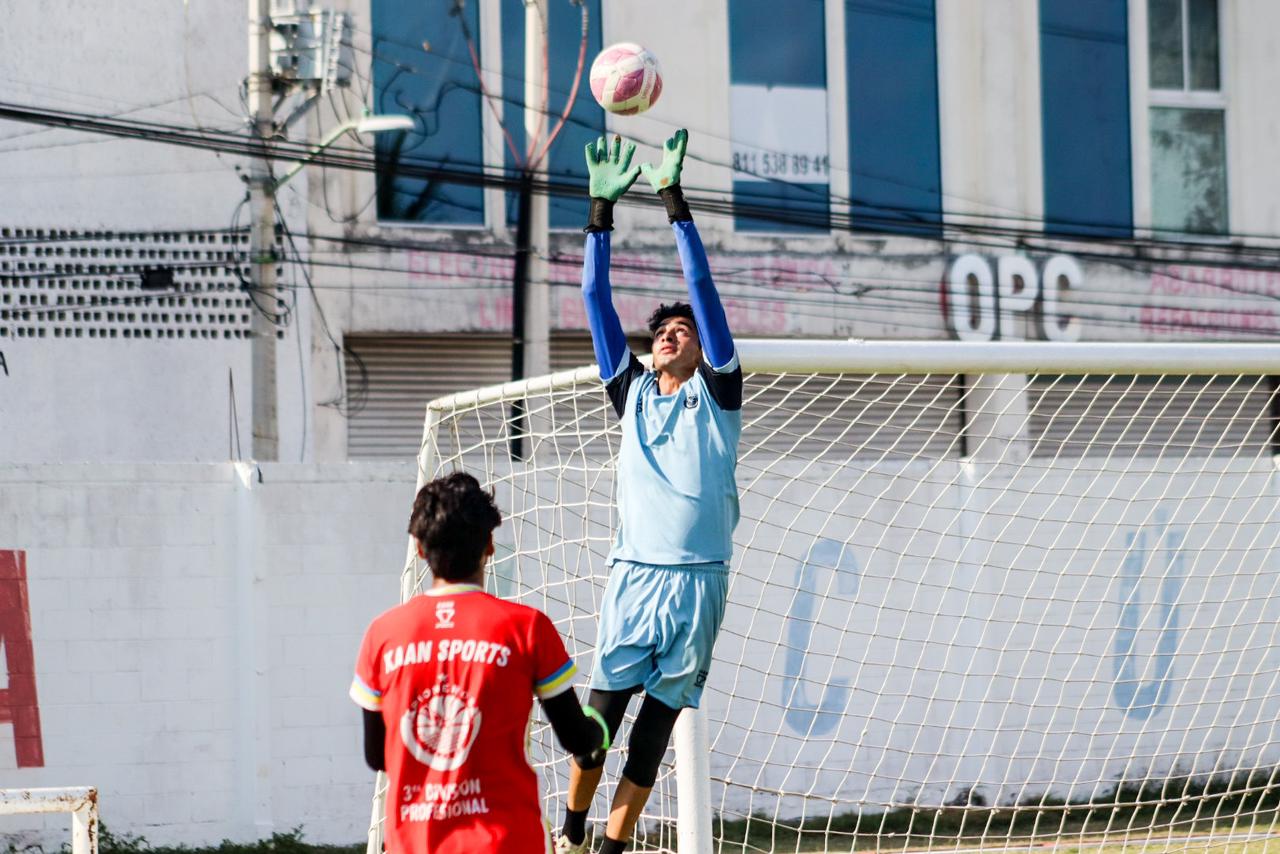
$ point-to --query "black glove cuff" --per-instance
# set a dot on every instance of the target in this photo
(600, 217)
(677, 207)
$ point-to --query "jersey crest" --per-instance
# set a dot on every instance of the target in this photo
(440, 726)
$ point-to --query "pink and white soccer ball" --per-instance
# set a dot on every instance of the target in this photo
(625, 79)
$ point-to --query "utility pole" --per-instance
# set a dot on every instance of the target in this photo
(530, 293)
(537, 304)
(262, 238)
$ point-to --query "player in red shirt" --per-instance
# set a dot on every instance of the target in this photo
(447, 682)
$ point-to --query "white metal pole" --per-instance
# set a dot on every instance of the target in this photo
(80, 801)
(693, 783)
(426, 467)
(765, 355)
(537, 319)
(84, 828)
(262, 260)
(377, 821)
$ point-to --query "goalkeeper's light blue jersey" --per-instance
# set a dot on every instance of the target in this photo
(677, 493)
(677, 490)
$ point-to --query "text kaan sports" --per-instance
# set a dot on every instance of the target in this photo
(480, 652)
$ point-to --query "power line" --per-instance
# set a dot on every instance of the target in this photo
(797, 283)
(1237, 254)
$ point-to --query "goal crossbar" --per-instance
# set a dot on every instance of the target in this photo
(80, 801)
(781, 355)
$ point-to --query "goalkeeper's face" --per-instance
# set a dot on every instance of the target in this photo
(676, 349)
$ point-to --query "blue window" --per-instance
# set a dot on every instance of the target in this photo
(778, 116)
(895, 172)
(1084, 108)
(421, 66)
(565, 162)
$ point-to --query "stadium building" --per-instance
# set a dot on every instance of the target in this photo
(932, 170)
(850, 163)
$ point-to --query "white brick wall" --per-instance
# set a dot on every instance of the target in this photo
(196, 717)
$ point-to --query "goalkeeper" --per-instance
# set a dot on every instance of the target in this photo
(677, 496)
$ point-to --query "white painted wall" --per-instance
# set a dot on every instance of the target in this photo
(175, 63)
(194, 630)
(989, 101)
(1251, 32)
(157, 61)
(901, 631)
(194, 639)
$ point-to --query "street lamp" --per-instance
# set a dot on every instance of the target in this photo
(365, 124)
(262, 274)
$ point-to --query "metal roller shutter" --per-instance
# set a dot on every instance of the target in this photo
(1129, 416)
(571, 350)
(403, 373)
(836, 417)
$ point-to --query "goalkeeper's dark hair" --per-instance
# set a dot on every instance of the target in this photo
(665, 312)
(453, 518)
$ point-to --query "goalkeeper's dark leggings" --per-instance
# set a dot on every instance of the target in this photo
(650, 734)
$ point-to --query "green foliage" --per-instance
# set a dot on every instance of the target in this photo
(129, 843)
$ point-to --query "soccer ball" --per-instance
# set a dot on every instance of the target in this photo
(625, 79)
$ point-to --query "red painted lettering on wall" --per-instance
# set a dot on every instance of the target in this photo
(18, 704)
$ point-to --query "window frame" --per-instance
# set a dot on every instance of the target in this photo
(1145, 98)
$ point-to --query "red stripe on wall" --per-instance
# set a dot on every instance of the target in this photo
(18, 703)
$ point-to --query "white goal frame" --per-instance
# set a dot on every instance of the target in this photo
(808, 356)
(80, 801)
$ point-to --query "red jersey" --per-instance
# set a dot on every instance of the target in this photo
(454, 672)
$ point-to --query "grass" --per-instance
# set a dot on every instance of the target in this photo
(1132, 816)
(1152, 816)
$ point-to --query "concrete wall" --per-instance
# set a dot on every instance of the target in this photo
(896, 630)
(67, 191)
(194, 632)
(899, 632)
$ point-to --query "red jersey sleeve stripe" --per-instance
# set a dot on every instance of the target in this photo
(556, 683)
(364, 696)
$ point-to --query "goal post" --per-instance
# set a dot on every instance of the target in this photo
(80, 801)
(983, 594)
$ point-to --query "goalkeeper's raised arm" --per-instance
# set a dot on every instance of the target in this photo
(611, 175)
(708, 313)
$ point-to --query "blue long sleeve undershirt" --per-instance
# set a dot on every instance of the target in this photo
(607, 336)
(708, 313)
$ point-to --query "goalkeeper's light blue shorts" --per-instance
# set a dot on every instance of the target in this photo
(658, 625)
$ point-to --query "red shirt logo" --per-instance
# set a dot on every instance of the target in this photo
(440, 726)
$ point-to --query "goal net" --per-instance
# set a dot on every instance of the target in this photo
(983, 595)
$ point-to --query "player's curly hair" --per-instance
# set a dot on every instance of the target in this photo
(452, 518)
(665, 312)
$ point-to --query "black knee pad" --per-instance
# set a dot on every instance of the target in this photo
(611, 705)
(650, 735)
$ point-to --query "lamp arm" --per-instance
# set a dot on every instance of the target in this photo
(329, 140)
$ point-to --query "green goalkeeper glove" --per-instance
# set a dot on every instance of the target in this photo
(667, 173)
(611, 175)
(611, 171)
